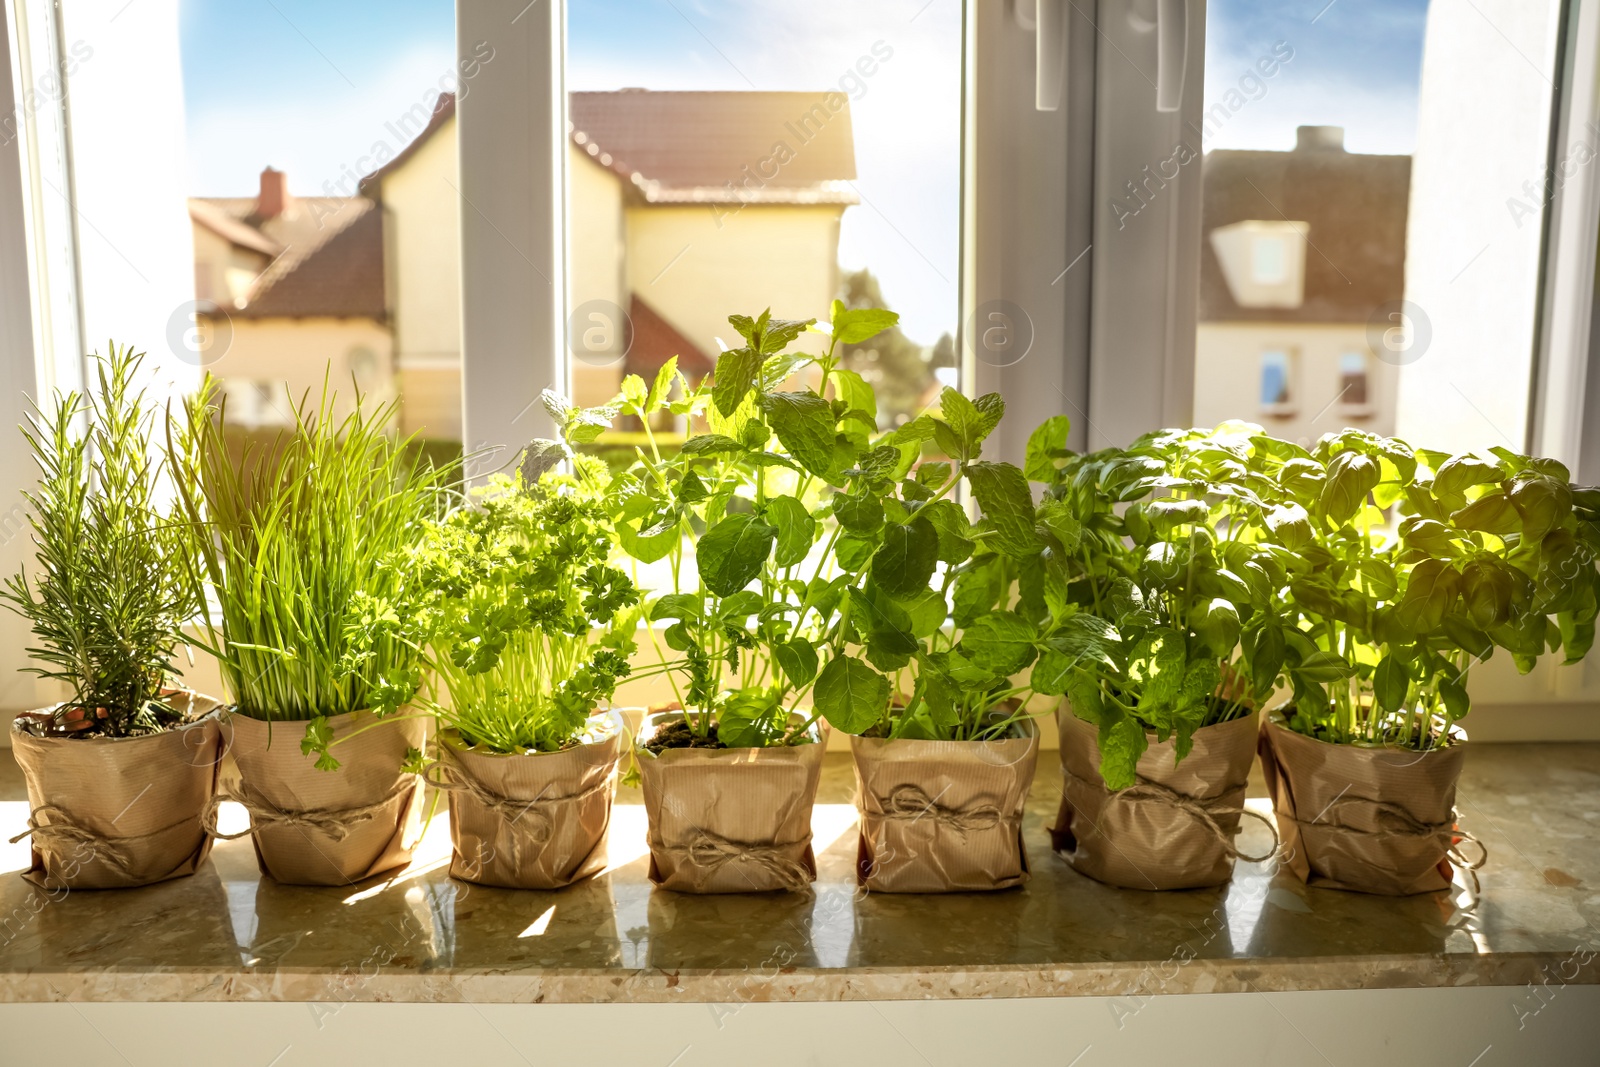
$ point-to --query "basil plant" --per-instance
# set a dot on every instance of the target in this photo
(736, 515)
(1156, 606)
(1408, 567)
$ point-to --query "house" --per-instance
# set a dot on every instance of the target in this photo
(1301, 274)
(295, 288)
(683, 208)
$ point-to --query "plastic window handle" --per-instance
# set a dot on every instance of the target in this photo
(1050, 52)
(1172, 51)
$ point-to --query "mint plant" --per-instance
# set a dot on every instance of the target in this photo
(1159, 601)
(748, 615)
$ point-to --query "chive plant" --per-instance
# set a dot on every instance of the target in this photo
(107, 597)
(292, 538)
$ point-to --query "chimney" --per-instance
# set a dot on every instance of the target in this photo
(274, 198)
(1319, 139)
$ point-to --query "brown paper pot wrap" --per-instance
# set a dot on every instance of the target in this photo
(533, 820)
(1174, 827)
(314, 827)
(943, 816)
(1375, 820)
(110, 813)
(730, 820)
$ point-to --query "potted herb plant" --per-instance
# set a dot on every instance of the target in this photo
(730, 776)
(501, 597)
(944, 751)
(1149, 587)
(292, 537)
(119, 773)
(1493, 550)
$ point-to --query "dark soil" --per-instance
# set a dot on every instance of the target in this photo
(74, 721)
(678, 735)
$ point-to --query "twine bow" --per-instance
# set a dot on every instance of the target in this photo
(711, 852)
(62, 832)
(334, 823)
(1205, 811)
(1401, 823)
(538, 827)
(910, 802)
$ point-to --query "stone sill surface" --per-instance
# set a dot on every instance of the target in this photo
(229, 934)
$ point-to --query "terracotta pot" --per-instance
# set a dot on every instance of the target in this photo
(730, 820)
(109, 813)
(314, 827)
(1172, 829)
(943, 816)
(535, 820)
(1375, 820)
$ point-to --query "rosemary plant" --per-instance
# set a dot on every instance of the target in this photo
(108, 596)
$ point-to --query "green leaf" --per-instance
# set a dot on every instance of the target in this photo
(1453, 477)
(1456, 701)
(1045, 444)
(851, 326)
(905, 561)
(1001, 643)
(856, 393)
(851, 695)
(798, 660)
(951, 523)
(1492, 513)
(1217, 624)
(1429, 594)
(1390, 683)
(804, 423)
(1157, 666)
(710, 444)
(1351, 476)
(1322, 667)
(797, 530)
(732, 553)
(861, 514)
(1003, 494)
(662, 388)
(979, 587)
(991, 409)
(965, 420)
(1122, 742)
(1291, 525)
(735, 375)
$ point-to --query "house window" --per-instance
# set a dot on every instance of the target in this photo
(1277, 388)
(1353, 379)
(1269, 260)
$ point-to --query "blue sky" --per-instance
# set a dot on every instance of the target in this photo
(308, 85)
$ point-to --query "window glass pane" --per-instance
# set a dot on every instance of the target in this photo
(726, 157)
(1374, 182)
(321, 155)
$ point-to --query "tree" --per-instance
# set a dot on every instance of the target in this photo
(899, 370)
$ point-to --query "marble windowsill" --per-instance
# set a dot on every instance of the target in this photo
(230, 934)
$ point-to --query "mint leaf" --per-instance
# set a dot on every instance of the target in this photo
(851, 695)
(735, 375)
(851, 326)
(965, 421)
(1003, 494)
(804, 423)
(732, 553)
(796, 529)
(662, 389)
(906, 559)
(861, 514)
(1046, 444)
(1001, 643)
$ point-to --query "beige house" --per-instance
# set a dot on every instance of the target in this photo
(683, 207)
(1304, 255)
(291, 289)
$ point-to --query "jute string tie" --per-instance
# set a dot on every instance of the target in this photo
(1395, 821)
(335, 823)
(62, 833)
(911, 803)
(1206, 811)
(711, 852)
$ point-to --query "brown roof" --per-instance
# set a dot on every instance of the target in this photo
(655, 340)
(329, 256)
(1355, 205)
(687, 147)
(231, 229)
(709, 147)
